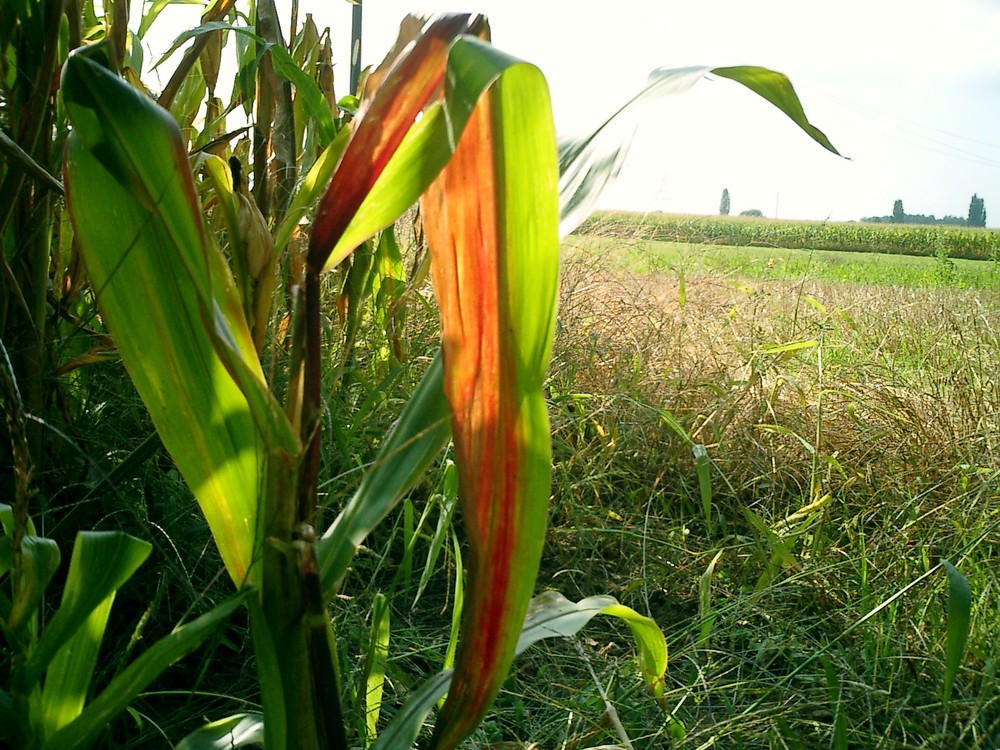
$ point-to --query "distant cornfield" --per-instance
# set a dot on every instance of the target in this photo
(901, 239)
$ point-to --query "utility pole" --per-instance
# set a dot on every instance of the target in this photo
(777, 197)
(355, 46)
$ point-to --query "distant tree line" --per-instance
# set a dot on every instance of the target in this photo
(976, 217)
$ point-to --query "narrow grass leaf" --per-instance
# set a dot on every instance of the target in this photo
(491, 219)
(703, 466)
(959, 622)
(378, 654)
(419, 435)
(459, 603)
(446, 508)
(705, 612)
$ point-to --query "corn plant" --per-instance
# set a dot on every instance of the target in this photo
(449, 121)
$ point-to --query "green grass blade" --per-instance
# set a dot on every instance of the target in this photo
(959, 623)
(447, 503)
(420, 434)
(378, 654)
(123, 689)
(705, 613)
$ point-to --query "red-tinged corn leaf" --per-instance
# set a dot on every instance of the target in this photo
(491, 219)
(550, 615)
(590, 163)
(170, 302)
(414, 80)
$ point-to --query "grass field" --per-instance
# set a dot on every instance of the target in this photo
(773, 459)
(790, 264)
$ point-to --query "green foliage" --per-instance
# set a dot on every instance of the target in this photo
(977, 212)
(898, 215)
(978, 244)
(724, 203)
(248, 405)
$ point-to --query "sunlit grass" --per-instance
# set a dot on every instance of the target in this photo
(782, 264)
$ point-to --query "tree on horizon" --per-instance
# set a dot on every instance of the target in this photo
(724, 203)
(977, 212)
(898, 214)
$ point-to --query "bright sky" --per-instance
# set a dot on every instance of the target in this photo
(910, 91)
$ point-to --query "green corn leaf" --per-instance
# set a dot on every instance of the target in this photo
(168, 298)
(7, 521)
(39, 561)
(154, 9)
(589, 163)
(234, 731)
(122, 690)
(959, 622)
(101, 562)
(308, 92)
(491, 219)
(551, 615)
(777, 89)
(68, 677)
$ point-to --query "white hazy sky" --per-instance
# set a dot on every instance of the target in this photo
(910, 91)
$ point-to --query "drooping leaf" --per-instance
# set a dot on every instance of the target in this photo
(551, 615)
(777, 89)
(589, 163)
(492, 226)
(170, 302)
(959, 622)
(39, 561)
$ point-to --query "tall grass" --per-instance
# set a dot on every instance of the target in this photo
(852, 433)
